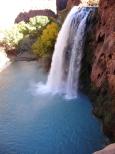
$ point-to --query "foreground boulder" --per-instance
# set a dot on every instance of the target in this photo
(110, 149)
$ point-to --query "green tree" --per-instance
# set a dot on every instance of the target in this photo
(44, 45)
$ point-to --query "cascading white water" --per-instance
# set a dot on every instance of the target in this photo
(66, 61)
(55, 81)
(72, 32)
(76, 56)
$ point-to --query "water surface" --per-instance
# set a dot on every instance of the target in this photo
(43, 124)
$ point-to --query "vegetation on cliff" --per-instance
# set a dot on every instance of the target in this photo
(44, 44)
(18, 32)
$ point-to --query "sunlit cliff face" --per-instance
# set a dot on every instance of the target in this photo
(9, 9)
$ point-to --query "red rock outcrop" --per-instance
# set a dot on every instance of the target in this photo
(25, 16)
(71, 3)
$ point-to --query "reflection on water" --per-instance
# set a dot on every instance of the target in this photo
(43, 124)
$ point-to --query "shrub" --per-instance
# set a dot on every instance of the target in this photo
(16, 33)
(33, 25)
(44, 45)
(39, 21)
(12, 36)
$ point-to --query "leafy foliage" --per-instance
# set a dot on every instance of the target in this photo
(44, 45)
(12, 36)
(20, 30)
(33, 25)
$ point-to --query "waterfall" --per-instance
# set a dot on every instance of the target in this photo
(66, 61)
(76, 56)
(55, 81)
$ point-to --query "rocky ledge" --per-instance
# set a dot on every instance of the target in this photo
(26, 56)
(110, 149)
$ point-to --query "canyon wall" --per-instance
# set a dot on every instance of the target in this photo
(104, 62)
(97, 77)
(103, 67)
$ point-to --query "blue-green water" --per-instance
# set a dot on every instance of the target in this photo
(43, 124)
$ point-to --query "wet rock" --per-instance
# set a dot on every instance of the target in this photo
(45, 63)
(26, 56)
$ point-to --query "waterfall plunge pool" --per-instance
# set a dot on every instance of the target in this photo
(43, 124)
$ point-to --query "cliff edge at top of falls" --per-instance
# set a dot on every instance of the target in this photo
(71, 3)
(62, 4)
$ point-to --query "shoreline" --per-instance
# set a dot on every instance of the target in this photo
(4, 60)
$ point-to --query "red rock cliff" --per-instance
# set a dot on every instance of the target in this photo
(71, 3)
(103, 69)
(104, 64)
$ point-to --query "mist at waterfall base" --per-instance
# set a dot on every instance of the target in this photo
(63, 77)
(44, 124)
